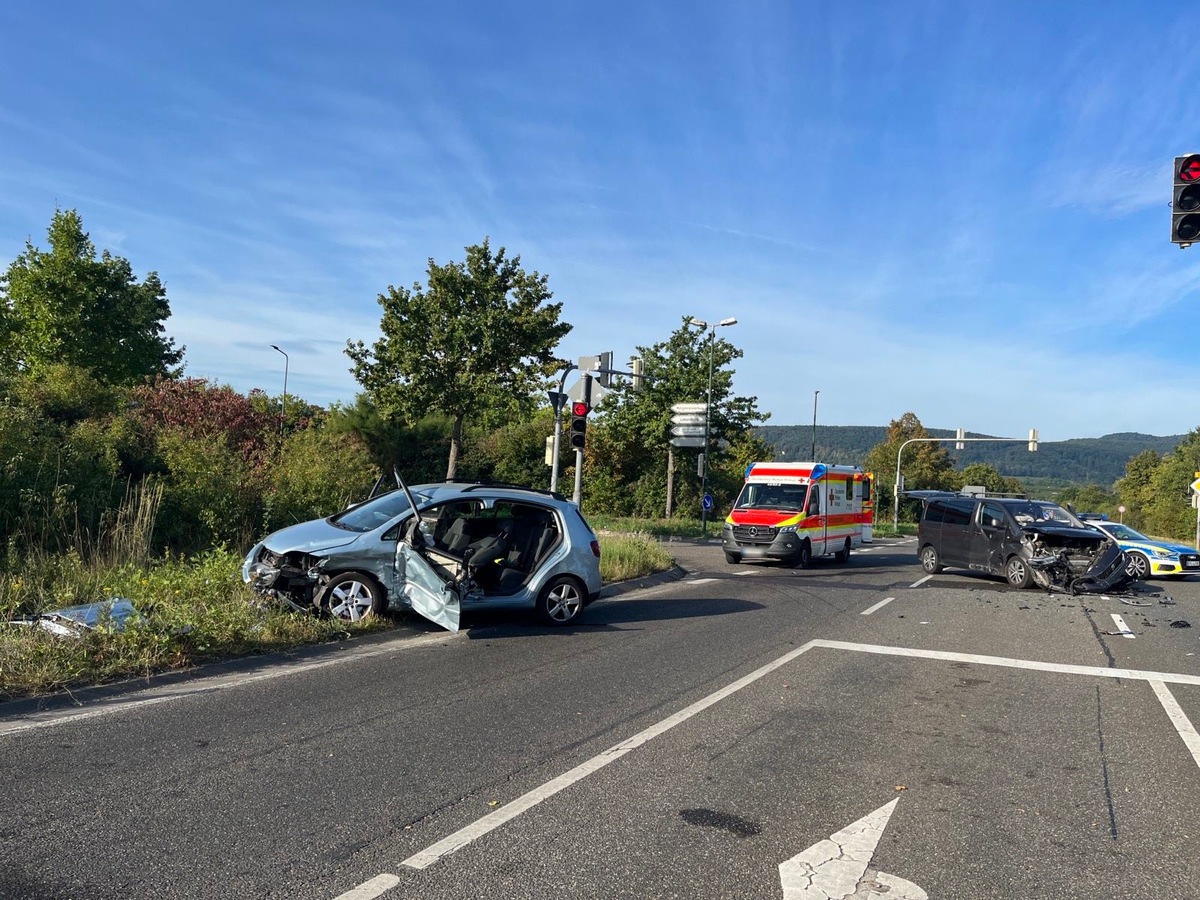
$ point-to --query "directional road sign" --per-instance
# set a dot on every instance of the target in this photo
(687, 419)
(689, 408)
(687, 441)
(687, 431)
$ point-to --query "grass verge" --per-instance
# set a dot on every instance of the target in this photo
(193, 611)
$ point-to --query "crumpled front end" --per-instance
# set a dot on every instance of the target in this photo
(1074, 563)
(290, 578)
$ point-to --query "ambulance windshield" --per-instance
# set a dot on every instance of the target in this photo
(772, 496)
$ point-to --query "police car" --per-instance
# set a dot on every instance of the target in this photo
(1145, 556)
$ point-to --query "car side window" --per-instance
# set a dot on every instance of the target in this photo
(935, 511)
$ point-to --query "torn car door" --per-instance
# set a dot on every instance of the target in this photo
(434, 594)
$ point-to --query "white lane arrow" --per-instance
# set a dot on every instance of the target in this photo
(840, 868)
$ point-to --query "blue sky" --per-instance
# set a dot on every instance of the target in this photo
(958, 209)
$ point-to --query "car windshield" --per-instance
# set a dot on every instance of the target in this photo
(772, 496)
(375, 512)
(1123, 532)
(1034, 512)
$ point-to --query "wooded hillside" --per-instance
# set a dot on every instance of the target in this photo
(1075, 461)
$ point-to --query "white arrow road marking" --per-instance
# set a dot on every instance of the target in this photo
(839, 867)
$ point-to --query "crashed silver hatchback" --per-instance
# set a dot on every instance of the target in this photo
(468, 546)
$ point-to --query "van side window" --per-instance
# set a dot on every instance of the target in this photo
(958, 512)
(935, 511)
(992, 515)
(849, 488)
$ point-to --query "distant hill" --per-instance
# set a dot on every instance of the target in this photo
(1076, 461)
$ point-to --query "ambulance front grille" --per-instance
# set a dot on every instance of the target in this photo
(754, 534)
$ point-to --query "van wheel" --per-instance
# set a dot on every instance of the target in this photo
(353, 597)
(803, 559)
(561, 601)
(1017, 573)
(732, 558)
(843, 555)
(930, 561)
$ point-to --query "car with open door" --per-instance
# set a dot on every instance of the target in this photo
(438, 550)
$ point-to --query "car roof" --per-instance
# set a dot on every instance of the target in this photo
(442, 489)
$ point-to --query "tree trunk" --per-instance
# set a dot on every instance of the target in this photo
(456, 432)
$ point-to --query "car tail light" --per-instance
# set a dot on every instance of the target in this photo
(596, 548)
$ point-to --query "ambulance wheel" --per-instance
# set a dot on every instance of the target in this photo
(843, 555)
(732, 558)
(803, 559)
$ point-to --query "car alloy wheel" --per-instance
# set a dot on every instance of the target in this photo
(1137, 566)
(1017, 573)
(352, 597)
(930, 561)
(561, 601)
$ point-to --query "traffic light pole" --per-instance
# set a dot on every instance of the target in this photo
(577, 498)
(560, 402)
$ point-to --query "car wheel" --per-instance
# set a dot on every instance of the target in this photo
(930, 561)
(803, 558)
(1017, 573)
(732, 558)
(843, 555)
(1137, 565)
(352, 597)
(561, 601)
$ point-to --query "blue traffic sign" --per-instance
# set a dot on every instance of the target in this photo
(707, 502)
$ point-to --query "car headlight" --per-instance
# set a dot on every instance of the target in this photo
(1164, 554)
(788, 529)
(249, 561)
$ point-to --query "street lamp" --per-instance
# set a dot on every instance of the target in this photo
(814, 441)
(712, 345)
(282, 402)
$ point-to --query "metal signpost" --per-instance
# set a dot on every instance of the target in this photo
(957, 440)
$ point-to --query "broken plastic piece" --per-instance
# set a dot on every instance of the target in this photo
(1180, 623)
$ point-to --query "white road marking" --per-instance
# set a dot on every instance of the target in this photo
(920, 582)
(1179, 719)
(743, 572)
(1029, 664)
(700, 580)
(493, 820)
(369, 890)
(213, 684)
(879, 605)
(832, 869)
(1122, 627)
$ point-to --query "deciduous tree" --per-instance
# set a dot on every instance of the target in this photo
(67, 306)
(478, 339)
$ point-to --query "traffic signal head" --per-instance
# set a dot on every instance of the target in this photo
(579, 411)
(1185, 203)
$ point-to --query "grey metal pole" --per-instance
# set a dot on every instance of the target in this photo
(712, 346)
(814, 440)
(558, 427)
(283, 401)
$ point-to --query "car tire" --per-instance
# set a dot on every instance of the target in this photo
(843, 555)
(561, 601)
(732, 558)
(931, 562)
(352, 597)
(1017, 573)
(1137, 565)
(803, 557)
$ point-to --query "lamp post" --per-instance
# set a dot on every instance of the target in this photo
(283, 401)
(712, 346)
(814, 441)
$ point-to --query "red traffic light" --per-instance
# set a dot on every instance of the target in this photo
(579, 408)
(1189, 169)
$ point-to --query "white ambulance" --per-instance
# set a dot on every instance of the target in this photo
(793, 512)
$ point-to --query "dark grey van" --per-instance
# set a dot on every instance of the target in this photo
(1024, 541)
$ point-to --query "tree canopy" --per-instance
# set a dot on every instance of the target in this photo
(478, 340)
(66, 306)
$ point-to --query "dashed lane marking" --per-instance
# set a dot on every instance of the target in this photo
(879, 605)
(1122, 627)
(920, 581)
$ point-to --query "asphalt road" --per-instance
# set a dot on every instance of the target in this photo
(684, 740)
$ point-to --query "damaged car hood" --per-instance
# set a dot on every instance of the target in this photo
(309, 537)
